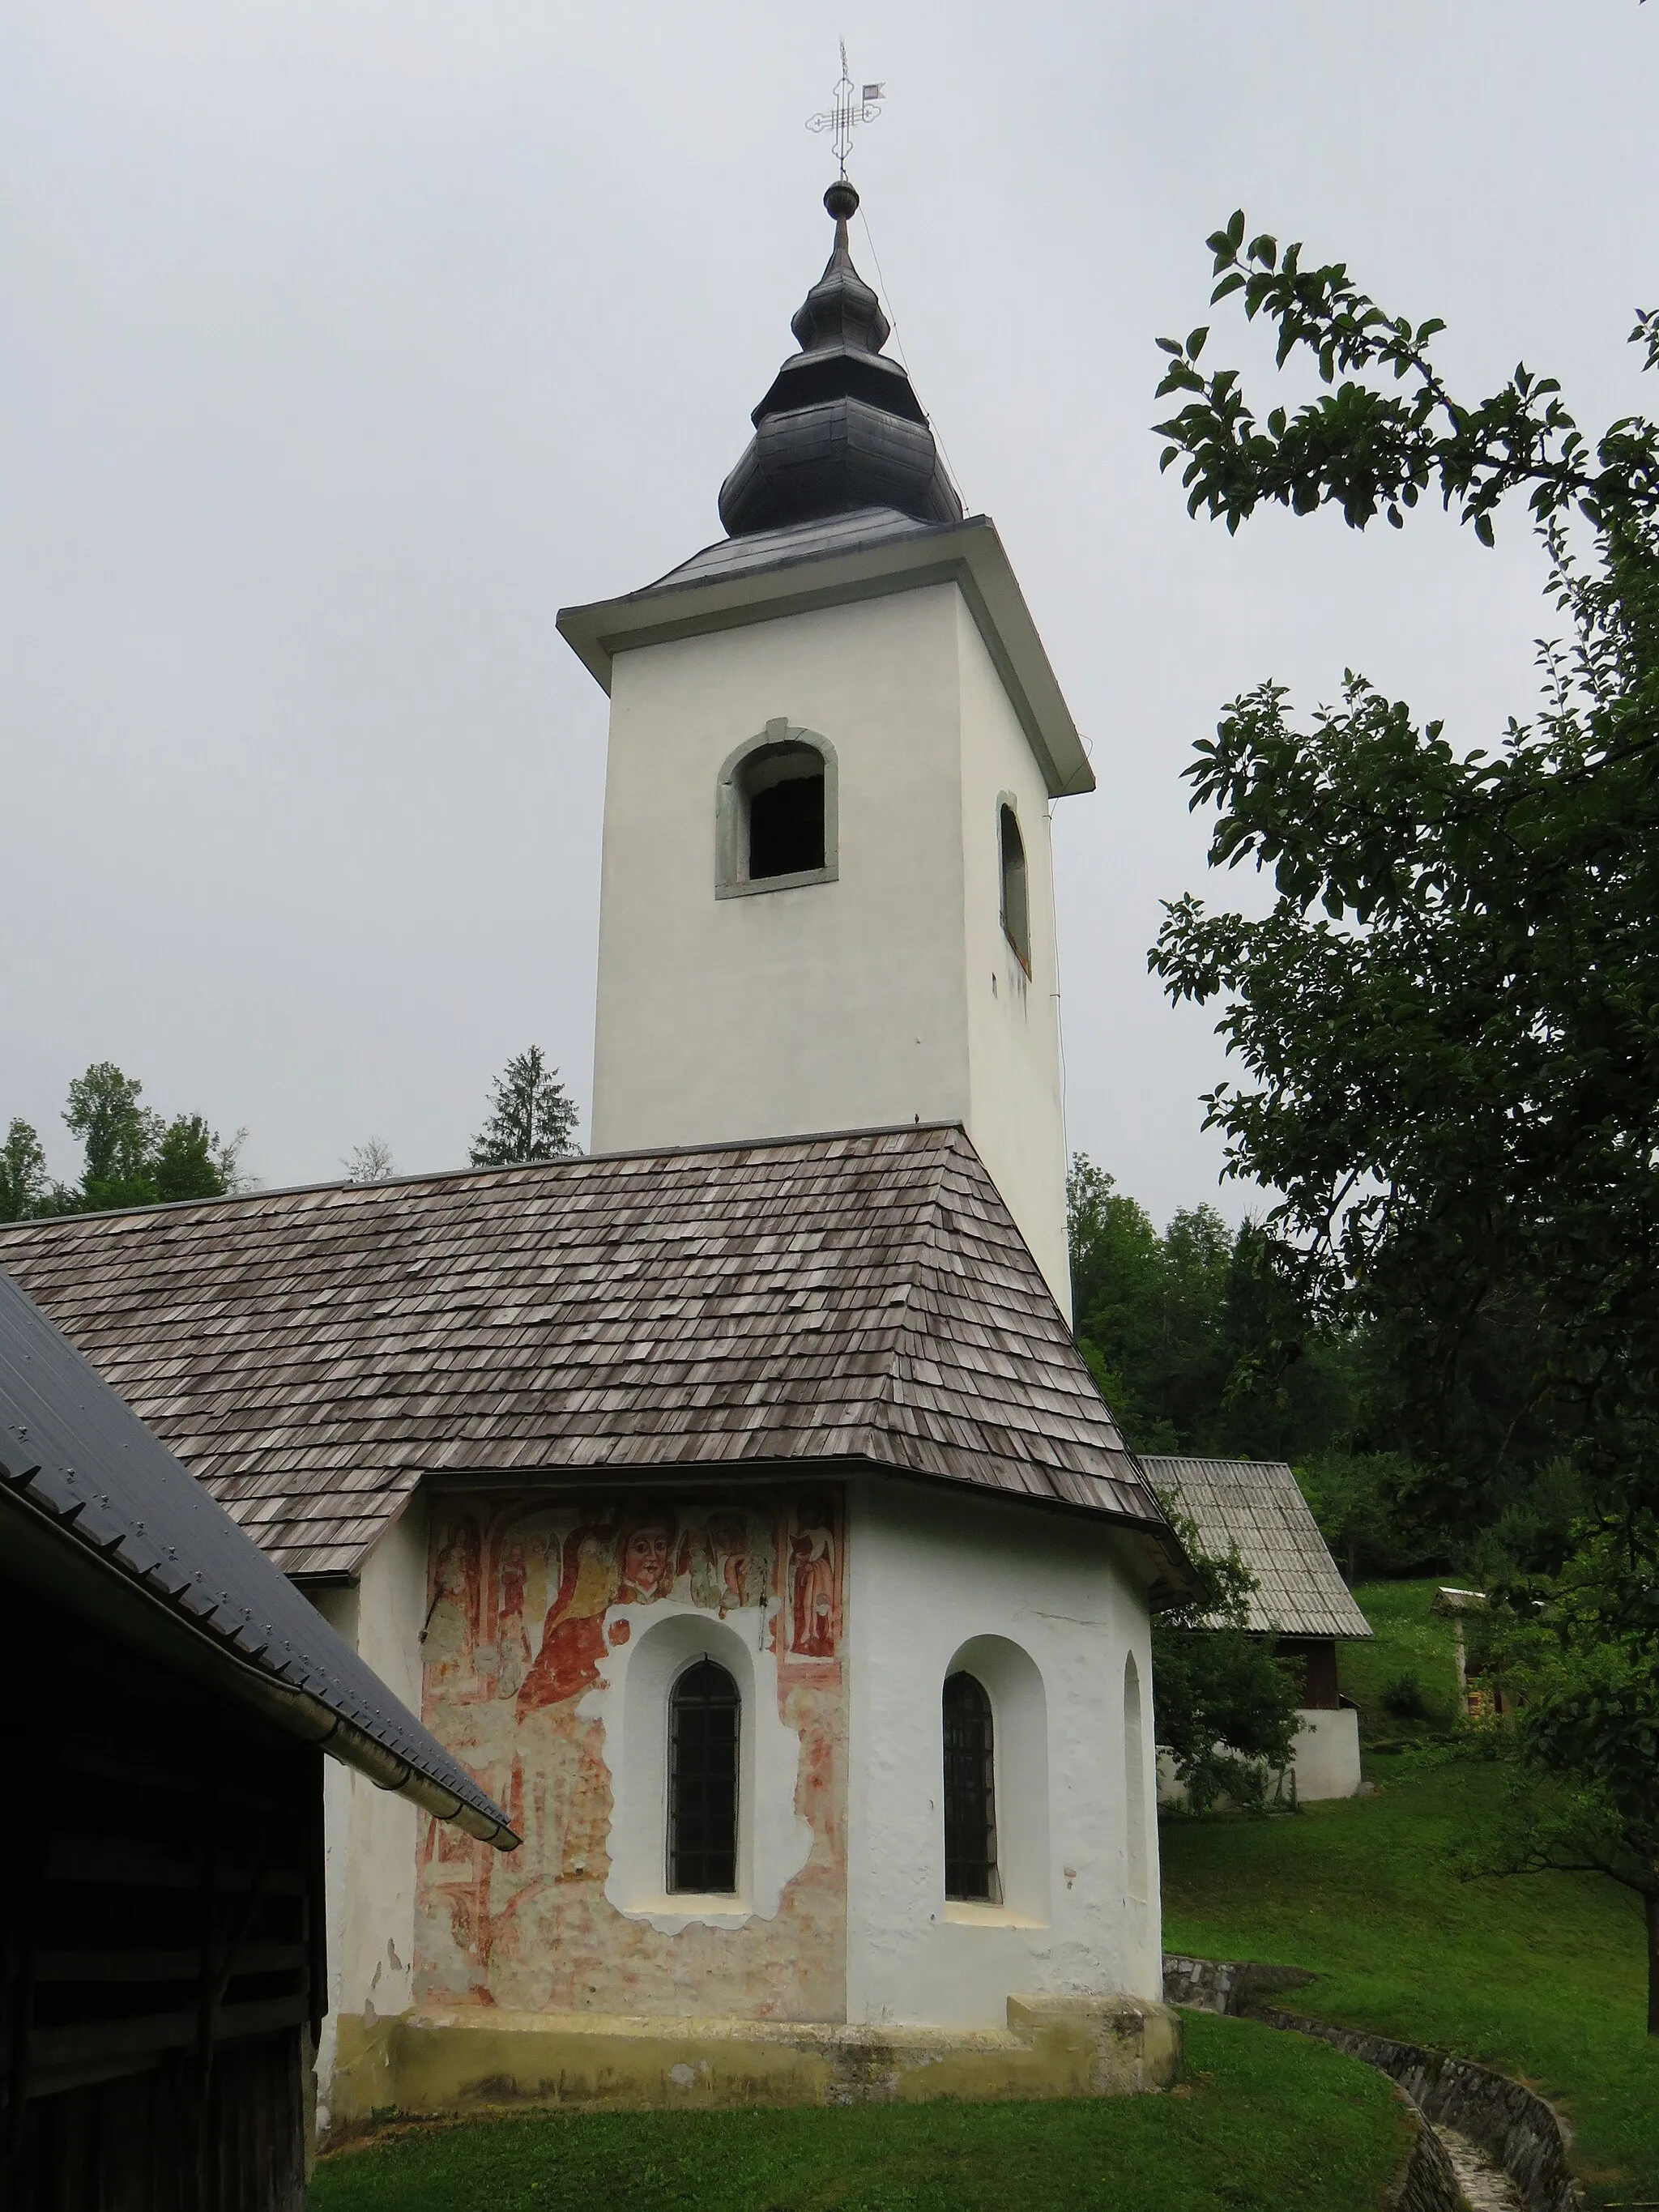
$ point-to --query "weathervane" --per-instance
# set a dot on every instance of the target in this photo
(852, 104)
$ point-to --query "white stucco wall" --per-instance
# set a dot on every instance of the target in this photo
(1326, 1755)
(864, 1001)
(370, 1837)
(1324, 1759)
(936, 1579)
(1016, 1113)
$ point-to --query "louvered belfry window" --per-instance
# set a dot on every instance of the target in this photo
(704, 1712)
(970, 1810)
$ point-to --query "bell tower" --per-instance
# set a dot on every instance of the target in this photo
(826, 896)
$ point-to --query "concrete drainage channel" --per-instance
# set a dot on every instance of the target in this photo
(1489, 2143)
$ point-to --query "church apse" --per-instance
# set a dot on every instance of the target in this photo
(555, 1629)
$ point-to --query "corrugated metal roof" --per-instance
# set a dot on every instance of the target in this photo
(1258, 1505)
(851, 1299)
(73, 1451)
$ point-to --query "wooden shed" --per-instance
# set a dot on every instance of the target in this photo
(1300, 1596)
(170, 1697)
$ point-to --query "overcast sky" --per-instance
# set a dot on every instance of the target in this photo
(344, 341)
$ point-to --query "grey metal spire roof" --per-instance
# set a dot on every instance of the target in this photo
(840, 429)
(94, 1507)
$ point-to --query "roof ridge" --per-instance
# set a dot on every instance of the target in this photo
(916, 1249)
(570, 1161)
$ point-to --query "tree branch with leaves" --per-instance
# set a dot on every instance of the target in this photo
(1447, 1023)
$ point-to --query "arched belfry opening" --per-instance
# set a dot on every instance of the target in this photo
(783, 792)
(1016, 893)
(775, 812)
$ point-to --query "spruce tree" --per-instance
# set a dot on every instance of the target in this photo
(533, 1117)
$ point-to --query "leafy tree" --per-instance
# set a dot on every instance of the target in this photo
(1226, 1706)
(190, 1160)
(1575, 1654)
(1199, 1338)
(1449, 1016)
(25, 1187)
(1364, 1503)
(533, 1117)
(120, 1136)
(1450, 1009)
(132, 1156)
(370, 1162)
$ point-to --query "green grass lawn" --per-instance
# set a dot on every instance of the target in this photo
(1543, 1976)
(1261, 2120)
(1410, 1641)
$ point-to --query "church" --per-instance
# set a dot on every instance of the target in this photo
(731, 1501)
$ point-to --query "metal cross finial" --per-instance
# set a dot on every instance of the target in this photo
(853, 104)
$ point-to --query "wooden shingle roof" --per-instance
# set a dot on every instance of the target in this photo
(312, 1354)
(1258, 1505)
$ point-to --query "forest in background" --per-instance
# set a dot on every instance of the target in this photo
(1202, 1343)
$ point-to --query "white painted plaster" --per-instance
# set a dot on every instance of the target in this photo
(932, 1574)
(850, 1004)
(370, 1835)
(1135, 1782)
(631, 1702)
(1019, 1747)
(1324, 1758)
(1327, 1753)
(1016, 1113)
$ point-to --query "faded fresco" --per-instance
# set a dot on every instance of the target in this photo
(528, 1599)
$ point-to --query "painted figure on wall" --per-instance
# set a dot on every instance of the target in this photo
(534, 1597)
(512, 1640)
(812, 1580)
(450, 1638)
(572, 1635)
(740, 1575)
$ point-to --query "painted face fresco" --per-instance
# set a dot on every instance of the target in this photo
(645, 1574)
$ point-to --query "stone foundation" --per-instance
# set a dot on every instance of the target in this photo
(473, 2060)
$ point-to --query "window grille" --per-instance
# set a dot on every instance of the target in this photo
(970, 1821)
(704, 1714)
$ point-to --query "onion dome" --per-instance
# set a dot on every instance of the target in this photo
(840, 429)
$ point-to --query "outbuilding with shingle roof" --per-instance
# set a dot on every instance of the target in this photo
(1256, 1507)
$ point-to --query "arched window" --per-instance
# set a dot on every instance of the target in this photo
(1016, 903)
(776, 810)
(784, 786)
(1134, 1783)
(704, 1713)
(970, 1809)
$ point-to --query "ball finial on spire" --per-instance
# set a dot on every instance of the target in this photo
(841, 201)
